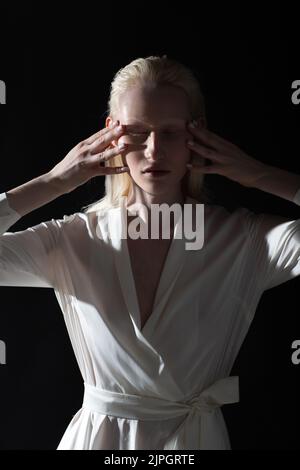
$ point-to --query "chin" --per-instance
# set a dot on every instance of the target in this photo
(157, 185)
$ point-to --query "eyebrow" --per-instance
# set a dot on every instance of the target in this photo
(137, 122)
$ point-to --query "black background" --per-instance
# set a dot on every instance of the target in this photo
(58, 68)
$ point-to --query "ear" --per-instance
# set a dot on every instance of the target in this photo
(108, 121)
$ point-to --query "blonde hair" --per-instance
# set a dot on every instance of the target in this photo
(160, 70)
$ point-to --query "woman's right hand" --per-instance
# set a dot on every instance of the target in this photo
(84, 161)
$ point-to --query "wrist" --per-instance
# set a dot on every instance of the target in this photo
(264, 173)
(55, 183)
(278, 182)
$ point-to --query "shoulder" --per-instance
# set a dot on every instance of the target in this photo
(76, 225)
(220, 218)
(250, 224)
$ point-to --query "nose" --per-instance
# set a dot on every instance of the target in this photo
(154, 150)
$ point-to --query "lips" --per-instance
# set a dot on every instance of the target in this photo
(155, 170)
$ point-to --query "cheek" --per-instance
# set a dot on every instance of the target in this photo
(132, 161)
(180, 147)
(121, 140)
(180, 156)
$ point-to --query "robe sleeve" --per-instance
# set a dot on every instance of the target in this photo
(275, 247)
(27, 258)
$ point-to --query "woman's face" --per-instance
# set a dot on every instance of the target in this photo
(156, 119)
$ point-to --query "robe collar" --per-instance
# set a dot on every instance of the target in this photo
(117, 219)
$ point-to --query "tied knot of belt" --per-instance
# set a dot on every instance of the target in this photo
(142, 407)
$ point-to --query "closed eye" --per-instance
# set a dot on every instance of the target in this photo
(137, 133)
(166, 131)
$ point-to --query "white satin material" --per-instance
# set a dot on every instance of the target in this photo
(160, 385)
(140, 407)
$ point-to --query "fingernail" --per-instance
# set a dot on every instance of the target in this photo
(189, 166)
(122, 146)
(191, 142)
(193, 124)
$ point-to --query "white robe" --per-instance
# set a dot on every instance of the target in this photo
(162, 386)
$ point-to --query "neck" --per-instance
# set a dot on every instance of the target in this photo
(139, 196)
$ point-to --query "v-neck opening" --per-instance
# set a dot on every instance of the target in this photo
(163, 275)
(142, 328)
(173, 265)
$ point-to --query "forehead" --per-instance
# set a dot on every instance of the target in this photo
(151, 104)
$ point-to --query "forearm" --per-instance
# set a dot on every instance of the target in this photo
(34, 194)
(279, 182)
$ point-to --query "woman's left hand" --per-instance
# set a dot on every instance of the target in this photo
(226, 158)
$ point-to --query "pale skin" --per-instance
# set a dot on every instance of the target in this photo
(80, 165)
(152, 108)
(230, 161)
(165, 114)
(162, 112)
(156, 105)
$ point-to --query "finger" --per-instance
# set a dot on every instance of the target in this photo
(210, 138)
(114, 170)
(110, 153)
(97, 164)
(107, 134)
(95, 136)
(204, 151)
(105, 139)
(100, 158)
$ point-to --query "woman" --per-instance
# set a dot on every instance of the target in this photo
(155, 327)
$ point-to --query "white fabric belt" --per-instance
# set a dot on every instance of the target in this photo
(123, 405)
